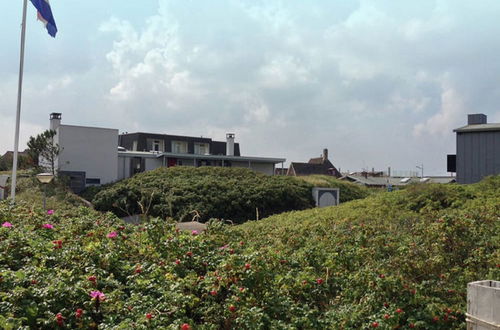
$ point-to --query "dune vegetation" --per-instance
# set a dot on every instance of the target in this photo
(391, 260)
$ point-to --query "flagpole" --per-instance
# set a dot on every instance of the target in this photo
(18, 114)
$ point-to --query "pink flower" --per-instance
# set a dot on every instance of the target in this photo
(48, 226)
(194, 232)
(98, 295)
(7, 224)
(50, 212)
(112, 234)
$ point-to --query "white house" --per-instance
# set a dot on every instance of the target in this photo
(95, 156)
(88, 154)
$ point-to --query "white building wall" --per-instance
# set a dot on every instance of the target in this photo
(89, 149)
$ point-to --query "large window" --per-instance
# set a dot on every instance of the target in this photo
(155, 145)
(201, 148)
(179, 147)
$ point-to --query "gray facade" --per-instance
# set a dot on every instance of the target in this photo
(478, 149)
(144, 142)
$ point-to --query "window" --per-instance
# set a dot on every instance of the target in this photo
(134, 145)
(179, 147)
(157, 145)
(93, 181)
(201, 148)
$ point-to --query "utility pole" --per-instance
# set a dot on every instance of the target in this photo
(421, 167)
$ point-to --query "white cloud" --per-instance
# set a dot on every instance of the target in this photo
(450, 115)
(371, 81)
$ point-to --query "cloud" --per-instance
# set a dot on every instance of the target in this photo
(371, 81)
(451, 114)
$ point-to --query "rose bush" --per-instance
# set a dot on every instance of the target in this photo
(393, 260)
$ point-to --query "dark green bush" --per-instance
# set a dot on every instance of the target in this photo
(237, 194)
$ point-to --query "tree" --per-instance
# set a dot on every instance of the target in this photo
(4, 166)
(44, 147)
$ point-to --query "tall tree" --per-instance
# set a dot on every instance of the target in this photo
(43, 147)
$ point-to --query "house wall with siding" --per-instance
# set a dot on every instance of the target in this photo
(478, 155)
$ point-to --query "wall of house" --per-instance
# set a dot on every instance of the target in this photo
(88, 149)
(144, 142)
(266, 168)
(478, 155)
(153, 163)
(123, 167)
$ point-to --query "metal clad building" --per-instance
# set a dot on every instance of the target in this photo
(478, 149)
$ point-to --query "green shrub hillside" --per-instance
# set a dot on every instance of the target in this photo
(214, 192)
(348, 191)
(392, 260)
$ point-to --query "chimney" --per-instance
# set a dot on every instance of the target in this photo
(230, 144)
(55, 120)
(476, 119)
(325, 155)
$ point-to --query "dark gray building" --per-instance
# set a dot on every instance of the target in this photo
(478, 150)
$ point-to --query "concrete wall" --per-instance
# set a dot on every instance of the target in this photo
(478, 155)
(266, 168)
(153, 163)
(123, 167)
(89, 149)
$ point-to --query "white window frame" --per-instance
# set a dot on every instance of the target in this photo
(179, 147)
(201, 148)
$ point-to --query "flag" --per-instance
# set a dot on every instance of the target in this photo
(45, 15)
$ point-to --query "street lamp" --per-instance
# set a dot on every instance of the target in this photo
(45, 178)
(421, 167)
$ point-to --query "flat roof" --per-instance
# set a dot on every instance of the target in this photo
(89, 127)
(478, 128)
(198, 156)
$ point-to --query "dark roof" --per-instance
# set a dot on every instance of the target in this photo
(478, 128)
(308, 169)
(10, 154)
(318, 160)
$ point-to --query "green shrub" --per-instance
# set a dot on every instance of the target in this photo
(380, 260)
(236, 194)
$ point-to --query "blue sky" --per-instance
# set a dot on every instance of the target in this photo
(378, 83)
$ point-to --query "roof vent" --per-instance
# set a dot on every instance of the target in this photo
(476, 119)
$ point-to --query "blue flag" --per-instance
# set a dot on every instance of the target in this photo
(45, 15)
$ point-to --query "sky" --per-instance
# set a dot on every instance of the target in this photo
(379, 83)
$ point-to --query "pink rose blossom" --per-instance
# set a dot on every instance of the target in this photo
(194, 232)
(7, 224)
(50, 212)
(48, 226)
(112, 234)
(98, 295)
